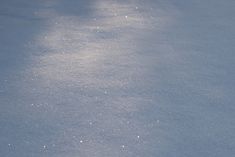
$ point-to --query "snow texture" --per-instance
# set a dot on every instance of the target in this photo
(117, 78)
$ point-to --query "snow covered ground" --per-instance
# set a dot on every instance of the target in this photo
(117, 78)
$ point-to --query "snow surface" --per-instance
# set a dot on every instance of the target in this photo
(117, 78)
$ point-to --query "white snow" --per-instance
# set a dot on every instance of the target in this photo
(111, 78)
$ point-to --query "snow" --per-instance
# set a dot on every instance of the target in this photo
(115, 78)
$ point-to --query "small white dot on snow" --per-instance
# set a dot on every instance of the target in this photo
(81, 141)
